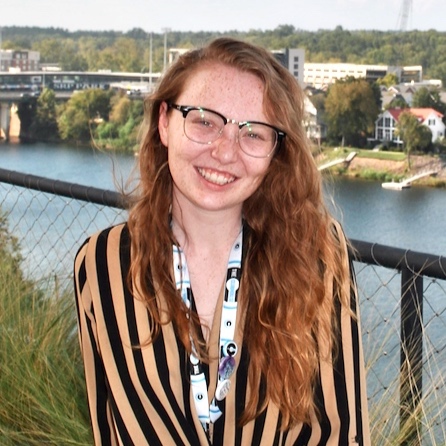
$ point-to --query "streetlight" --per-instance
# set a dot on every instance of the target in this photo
(150, 63)
(1, 48)
(166, 30)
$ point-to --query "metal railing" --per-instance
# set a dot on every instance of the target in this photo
(414, 268)
(403, 321)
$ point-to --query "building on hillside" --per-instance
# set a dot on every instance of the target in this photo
(294, 60)
(321, 75)
(19, 60)
(407, 90)
(315, 128)
(387, 121)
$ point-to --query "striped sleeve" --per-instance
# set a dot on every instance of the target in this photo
(343, 418)
(99, 406)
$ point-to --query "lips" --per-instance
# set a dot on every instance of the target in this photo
(215, 177)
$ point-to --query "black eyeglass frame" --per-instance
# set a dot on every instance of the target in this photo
(185, 109)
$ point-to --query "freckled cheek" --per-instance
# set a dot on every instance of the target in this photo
(257, 179)
(261, 171)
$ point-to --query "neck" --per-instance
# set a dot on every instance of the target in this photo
(205, 229)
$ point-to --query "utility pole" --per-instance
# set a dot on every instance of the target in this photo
(406, 11)
(1, 48)
(166, 30)
(150, 62)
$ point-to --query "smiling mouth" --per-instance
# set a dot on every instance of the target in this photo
(216, 178)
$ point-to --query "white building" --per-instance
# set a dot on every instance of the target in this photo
(387, 121)
(321, 75)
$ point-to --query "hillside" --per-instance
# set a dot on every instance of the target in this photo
(88, 50)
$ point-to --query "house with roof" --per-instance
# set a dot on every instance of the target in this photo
(406, 91)
(387, 121)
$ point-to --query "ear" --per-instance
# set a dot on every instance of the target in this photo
(163, 124)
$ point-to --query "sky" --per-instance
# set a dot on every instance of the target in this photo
(222, 15)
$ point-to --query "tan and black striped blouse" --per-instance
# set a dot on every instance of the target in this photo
(141, 395)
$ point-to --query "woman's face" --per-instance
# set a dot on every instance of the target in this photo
(216, 176)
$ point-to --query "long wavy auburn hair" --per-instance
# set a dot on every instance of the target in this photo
(295, 269)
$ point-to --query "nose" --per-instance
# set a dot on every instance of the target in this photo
(226, 147)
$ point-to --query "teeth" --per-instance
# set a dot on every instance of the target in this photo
(216, 178)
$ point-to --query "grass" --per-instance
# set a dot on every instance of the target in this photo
(380, 155)
(42, 397)
(341, 152)
(425, 425)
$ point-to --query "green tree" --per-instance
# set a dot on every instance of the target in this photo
(71, 60)
(51, 50)
(64, 52)
(121, 109)
(351, 111)
(428, 98)
(123, 55)
(125, 118)
(388, 80)
(44, 126)
(82, 113)
(438, 71)
(413, 134)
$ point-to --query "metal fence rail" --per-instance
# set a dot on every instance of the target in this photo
(415, 269)
(402, 299)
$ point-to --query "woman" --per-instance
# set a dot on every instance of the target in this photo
(223, 312)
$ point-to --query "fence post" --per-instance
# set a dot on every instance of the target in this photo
(411, 365)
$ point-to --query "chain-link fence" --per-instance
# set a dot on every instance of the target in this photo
(51, 219)
(390, 390)
(50, 224)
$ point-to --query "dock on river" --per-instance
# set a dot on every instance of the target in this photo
(406, 184)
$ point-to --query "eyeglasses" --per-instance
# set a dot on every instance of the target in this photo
(204, 126)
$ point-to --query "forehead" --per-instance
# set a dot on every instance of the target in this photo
(225, 89)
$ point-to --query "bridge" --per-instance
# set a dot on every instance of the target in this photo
(407, 183)
(9, 101)
(347, 160)
(17, 87)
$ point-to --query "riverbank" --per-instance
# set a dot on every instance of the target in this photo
(388, 168)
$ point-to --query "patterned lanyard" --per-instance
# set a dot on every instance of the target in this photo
(209, 413)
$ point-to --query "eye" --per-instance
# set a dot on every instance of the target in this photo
(207, 123)
(211, 121)
(205, 120)
(253, 135)
(256, 132)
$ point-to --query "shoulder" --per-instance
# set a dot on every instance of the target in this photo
(114, 236)
(104, 247)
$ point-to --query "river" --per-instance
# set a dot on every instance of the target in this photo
(412, 219)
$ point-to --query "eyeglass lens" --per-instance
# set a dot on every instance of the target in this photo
(205, 127)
